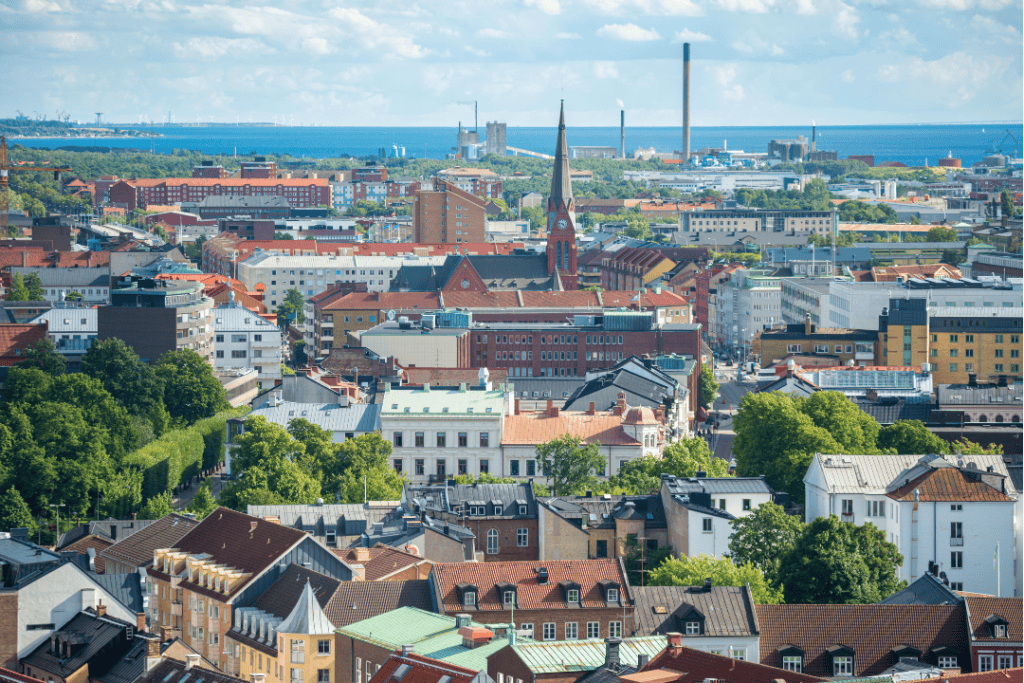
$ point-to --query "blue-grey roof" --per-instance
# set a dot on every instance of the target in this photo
(888, 413)
(455, 498)
(350, 519)
(927, 590)
(125, 587)
(68, 277)
(360, 418)
(716, 485)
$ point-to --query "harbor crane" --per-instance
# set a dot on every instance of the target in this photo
(6, 167)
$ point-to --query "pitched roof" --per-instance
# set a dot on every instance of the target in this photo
(530, 594)
(561, 181)
(354, 601)
(695, 666)
(384, 560)
(726, 610)
(174, 671)
(980, 609)
(415, 668)
(548, 657)
(89, 635)
(539, 427)
(927, 590)
(137, 549)
(307, 616)
(9, 676)
(127, 588)
(871, 631)
(84, 544)
(14, 338)
(872, 474)
(949, 484)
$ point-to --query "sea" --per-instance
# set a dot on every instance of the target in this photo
(913, 145)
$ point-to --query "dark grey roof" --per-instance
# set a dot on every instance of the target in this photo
(926, 590)
(705, 510)
(607, 674)
(736, 238)
(113, 530)
(129, 667)
(89, 634)
(1015, 468)
(726, 610)
(716, 485)
(983, 394)
(599, 512)
(643, 382)
(887, 413)
(68, 277)
(505, 267)
(561, 179)
(239, 201)
(346, 519)
(126, 587)
(791, 382)
(173, 671)
(541, 388)
(455, 498)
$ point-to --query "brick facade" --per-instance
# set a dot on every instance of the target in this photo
(448, 215)
(9, 630)
(350, 653)
(508, 535)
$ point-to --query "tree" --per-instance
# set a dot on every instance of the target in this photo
(157, 507)
(851, 427)
(18, 290)
(775, 439)
(942, 234)
(35, 287)
(43, 355)
(909, 437)
(691, 571)
(133, 383)
(269, 460)
(683, 458)
(279, 235)
(708, 386)
(638, 227)
(968, 447)
(73, 295)
(835, 562)
(203, 503)
(763, 538)
(292, 309)
(1006, 203)
(14, 512)
(191, 392)
(569, 464)
(640, 559)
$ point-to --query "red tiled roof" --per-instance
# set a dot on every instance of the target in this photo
(384, 560)
(695, 666)
(949, 484)
(871, 631)
(137, 550)
(529, 593)
(82, 545)
(979, 609)
(15, 337)
(481, 299)
(384, 300)
(997, 676)
(15, 677)
(623, 298)
(422, 670)
(538, 427)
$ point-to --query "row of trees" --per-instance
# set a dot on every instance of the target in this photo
(777, 435)
(813, 197)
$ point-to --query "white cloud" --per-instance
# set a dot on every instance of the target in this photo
(961, 5)
(605, 70)
(845, 21)
(776, 50)
(40, 6)
(805, 7)
(66, 41)
(630, 32)
(562, 35)
(848, 76)
(675, 8)
(894, 18)
(476, 52)
(688, 36)
(545, 6)
(374, 34)
(491, 33)
(741, 46)
(959, 73)
(207, 48)
(990, 30)
(755, 6)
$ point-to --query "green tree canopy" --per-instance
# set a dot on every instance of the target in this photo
(763, 538)
(34, 285)
(941, 233)
(909, 437)
(203, 503)
(191, 392)
(569, 464)
(18, 290)
(708, 386)
(1006, 203)
(835, 562)
(292, 309)
(43, 355)
(14, 512)
(691, 571)
(851, 427)
(269, 461)
(133, 383)
(157, 507)
(683, 458)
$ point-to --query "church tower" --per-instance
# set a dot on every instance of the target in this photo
(562, 214)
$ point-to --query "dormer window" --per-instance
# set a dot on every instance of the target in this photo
(996, 625)
(470, 598)
(693, 628)
(792, 657)
(610, 590)
(508, 598)
(613, 595)
(467, 595)
(570, 593)
(572, 596)
(507, 591)
(522, 509)
(842, 660)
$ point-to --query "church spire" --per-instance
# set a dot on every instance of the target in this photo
(561, 183)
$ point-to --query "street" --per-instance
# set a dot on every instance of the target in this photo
(730, 391)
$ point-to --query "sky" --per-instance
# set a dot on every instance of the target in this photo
(424, 62)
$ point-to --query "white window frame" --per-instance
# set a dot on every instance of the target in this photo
(613, 595)
(794, 663)
(985, 662)
(492, 542)
(693, 628)
(947, 662)
(1004, 661)
(739, 653)
(508, 598)
(614, 629)
(572, 631)
(549, 630)
(522, 537)
(593, 629)
(842, 665)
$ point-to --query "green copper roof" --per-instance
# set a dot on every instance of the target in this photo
(432, 635)
(582, 655)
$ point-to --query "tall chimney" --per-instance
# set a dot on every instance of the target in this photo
(814, 137)
(622, 134)
(686, 104)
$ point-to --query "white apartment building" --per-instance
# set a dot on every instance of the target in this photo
(312, 274)
(756, 304)
(956, 511)
(803, 297)
(72, 330)
(857, 305)
(435, 433)
(243, 339)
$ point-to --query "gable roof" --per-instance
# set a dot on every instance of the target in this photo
(91, 542)
(414, 668)
(174, 671)
(727, 610)
(695, 666)
(871, 631)
(91, 634)
(384, 560)
(15, 338)
(979, 609)
(539, 427)
(137, 549)
(126, 588)
(548, 657)
(927, 590)
(873, 474)
(530, 594)
(949, 484)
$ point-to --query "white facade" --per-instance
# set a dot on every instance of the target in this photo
(961, 537)
(756, 304)
(436, 433)
(802, 297)
(72, 330)
(507, 231)
(707, 534)
(55, 599)
(313, 274)
(438, 348)
(243, 339)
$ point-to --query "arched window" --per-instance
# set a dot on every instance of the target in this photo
(1016, 418)
(558, 255)
(492, 542)
(999, 418)
(565, 265)
(983, 418)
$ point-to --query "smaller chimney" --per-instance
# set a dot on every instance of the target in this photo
(408, 649)
(593, 409)
(252, 526)
(611, 652)
(642, 660)
(192, 660)
(358, 572)
(808, 328)
(707, 585)
(101, 610)
(675, 640)
(140, 621)
(362, 554)
(152, 652)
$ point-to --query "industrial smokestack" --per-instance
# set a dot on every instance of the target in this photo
(622, 134)
(814, 137)
(686, 104)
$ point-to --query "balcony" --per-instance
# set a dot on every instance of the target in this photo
(176, 609)
(861, 355)
(846, 517)
(956, 542)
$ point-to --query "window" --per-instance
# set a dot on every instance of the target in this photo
(570, 631)
(420, 439)
(323, 647)
(485, 440)
(463, 439)
(298, 651)
(721, 503)
(999, 353)
(956, 531)
(842, 666)
(442, 438)
(549, 630)
(323, 676)
(739, 653)
(469, 598)
(614, 629)
(485, 466)
(527, 629)
(602, 549)
(947, 662)
(956, 585)
(1005, 662)
(522, 537)
(238, 353)
(522, 509)
(746, 504)
(572, 596)
(794, 663)
(847, 507)
(492, 543)
(956, 559)
(956, 507)
(999, 630)
(593, 629)
(513, 468)
(693, 628)
(984, 662)
(419, 466)
(613, 595)
(706, 524)
(396, 439)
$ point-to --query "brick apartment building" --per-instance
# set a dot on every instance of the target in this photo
(370, 173)
(447, 214)
(481, 182)
(207, 169)
(140, 192)
(225, 562)
(554, 600)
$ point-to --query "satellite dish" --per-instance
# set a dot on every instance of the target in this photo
(391, 316)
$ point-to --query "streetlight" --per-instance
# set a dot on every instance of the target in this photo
(57, 507)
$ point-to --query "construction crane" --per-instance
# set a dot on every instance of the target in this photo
(6, 167)
(1006, 138)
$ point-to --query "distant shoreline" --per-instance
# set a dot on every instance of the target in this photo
(83, 137)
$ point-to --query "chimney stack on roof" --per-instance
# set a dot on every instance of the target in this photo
(675, 640)
(192, 660)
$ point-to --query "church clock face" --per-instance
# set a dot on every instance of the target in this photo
(562, 223)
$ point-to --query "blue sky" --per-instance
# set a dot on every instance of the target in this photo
(756, 62)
